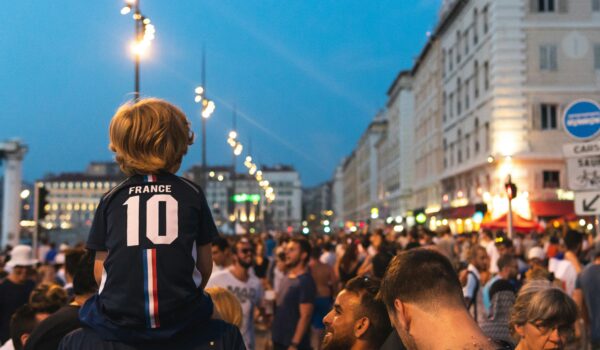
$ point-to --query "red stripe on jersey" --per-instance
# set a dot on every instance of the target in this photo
(155, 289)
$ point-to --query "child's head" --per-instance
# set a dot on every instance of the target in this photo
(148, 136)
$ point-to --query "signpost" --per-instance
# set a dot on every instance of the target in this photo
(581, 121)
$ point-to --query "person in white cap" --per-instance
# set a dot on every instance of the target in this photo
(15, 289)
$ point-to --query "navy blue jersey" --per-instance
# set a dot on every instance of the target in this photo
(151, 225)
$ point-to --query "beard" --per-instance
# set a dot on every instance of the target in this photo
(290, 264)
(331, 341)
(244, 264)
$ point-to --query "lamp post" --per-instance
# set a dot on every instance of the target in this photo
(208, 107)
(144, 34)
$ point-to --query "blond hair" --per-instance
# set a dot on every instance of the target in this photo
(149, 136)
(227, 305)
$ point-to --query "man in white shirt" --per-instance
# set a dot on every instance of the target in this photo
(243, 284)
(472, 291)
(487, 241)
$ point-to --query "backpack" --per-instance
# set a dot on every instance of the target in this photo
(473, 302)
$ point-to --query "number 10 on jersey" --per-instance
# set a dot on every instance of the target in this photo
(152, 219)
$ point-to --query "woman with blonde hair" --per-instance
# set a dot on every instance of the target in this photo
(226, 305)
(543, 317)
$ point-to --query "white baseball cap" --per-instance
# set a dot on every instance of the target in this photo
(536, 253)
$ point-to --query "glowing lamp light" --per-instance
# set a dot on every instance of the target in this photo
(478, 217)
(327, 229)
(398, 228)
(25, 193)
(233, 134)
(398, 219)
(305, 230)
(420, 218)
(199, 90)
(389, 220)
(590, 227)
(581, 222)
(125, 10)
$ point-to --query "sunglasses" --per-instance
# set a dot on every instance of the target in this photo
(246, 251)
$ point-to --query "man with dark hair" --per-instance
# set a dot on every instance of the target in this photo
(568, 268)
(221, 254)
(380, 262)
(295, 301)
(479, 263)
(22, 323)
(48, 334)
(358, 320)
(72, 260)
(587, 290)
(508, 270)
(425, 303)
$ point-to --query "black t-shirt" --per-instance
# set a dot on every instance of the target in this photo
(214, 335)
(48, 334)
(151, 225)
(294, 291)
(11, 297)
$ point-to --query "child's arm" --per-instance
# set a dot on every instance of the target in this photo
(204, 262)
(99, 265)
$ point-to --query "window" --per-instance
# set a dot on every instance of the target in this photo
(485, 19)
(467, 146)
(445, 153)
(476, 135)
(466, 40)
(548, 57)
(548, 116)
(451, 105)
(459, 146)
(443, 63)
(450, 65)
(596, 5)
(545, 6)
(475, 26)
(597, 55)
(458, 35)
(444, 103)
(458, 97)
(486, 72)
(451, 154)
(467, 93)
(476, 78)
(551, 179)
(486, 128)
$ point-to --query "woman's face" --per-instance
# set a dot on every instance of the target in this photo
(536, 336)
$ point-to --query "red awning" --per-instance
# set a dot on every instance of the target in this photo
(552, 208)
(520, 224)
(457, 213)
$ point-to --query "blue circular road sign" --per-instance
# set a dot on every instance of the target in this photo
(582, 119)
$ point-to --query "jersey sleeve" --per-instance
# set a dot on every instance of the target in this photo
(97, 237)
(308, 291)
(208, 230)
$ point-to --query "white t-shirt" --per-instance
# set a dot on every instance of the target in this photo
(249, 294)
(493, 254)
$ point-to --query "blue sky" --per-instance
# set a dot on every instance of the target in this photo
(306, 76)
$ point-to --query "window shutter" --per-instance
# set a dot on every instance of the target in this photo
(533, 6)
(536, 113)
(563, 6)
(543, 57)
(597, 55)
(553, 59)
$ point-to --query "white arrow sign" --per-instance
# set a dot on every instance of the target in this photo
(587, 203)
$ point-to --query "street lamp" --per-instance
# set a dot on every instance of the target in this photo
(144, 34)
(208, 107)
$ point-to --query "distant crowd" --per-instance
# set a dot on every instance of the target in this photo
(376, 289)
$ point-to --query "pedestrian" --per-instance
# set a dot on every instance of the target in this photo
(472, 291)
(487, 240)
(151, 234)
(221, 254)
(295, 300)
(349, 263)
(502, 298)
(424, 300)
(587, 292)
(22, 323)
(508, 270)
(244, 285)
(48, 334)
(543, 317)
(15, 289)
(325, 282)
(358, 319)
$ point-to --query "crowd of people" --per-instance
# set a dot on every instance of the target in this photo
(376, 289)
(155, 274)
